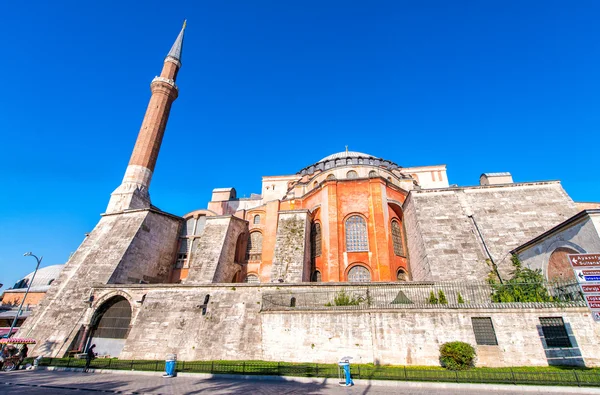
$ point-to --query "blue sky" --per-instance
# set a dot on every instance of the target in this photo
(268, 87)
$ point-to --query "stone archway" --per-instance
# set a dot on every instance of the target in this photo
(559, 268)
(110, 326)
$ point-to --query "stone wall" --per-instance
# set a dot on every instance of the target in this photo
(150, 257)
(442, 238)
(118, 240)
(170, 320)
(291, 259)
(213, 258)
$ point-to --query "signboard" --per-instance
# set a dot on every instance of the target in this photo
(587, 273)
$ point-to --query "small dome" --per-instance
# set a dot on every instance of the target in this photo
(346, 154)
(43, 278)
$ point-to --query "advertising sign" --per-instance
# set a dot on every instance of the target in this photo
(587, 273)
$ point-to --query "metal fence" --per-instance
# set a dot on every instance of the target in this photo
(422, 295)
(569, 377)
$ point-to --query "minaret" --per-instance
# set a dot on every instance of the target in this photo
(133, 191)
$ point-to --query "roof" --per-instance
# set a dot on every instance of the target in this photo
(500, 174)
(42, 279)
(346, 154)
(563, 225)
(177, 47)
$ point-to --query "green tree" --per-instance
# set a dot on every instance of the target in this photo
(442, 297)
(432, 298)
(460, 299)
(525, 286)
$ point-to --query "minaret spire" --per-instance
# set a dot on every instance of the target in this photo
(177, 47)
(133, 192)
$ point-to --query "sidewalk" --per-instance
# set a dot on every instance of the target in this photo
(135, 382)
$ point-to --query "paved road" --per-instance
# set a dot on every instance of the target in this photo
(77, 383)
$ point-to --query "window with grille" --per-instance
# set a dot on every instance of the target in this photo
(251, 279)
(372, 174)
(254, 250)
(315, 238)
(115, 316)
(356, 234)
(359, 274)
(182, 254)
(485, 335)
(397, 238)
(330, 177)
(352, 174)
(256, 219)
(555, 332)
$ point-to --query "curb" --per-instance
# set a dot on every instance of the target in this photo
(334, 381)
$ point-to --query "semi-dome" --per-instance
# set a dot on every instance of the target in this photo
(43, 278)
(348, 158)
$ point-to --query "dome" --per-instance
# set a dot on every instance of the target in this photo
(346, 154)
(346, 158)
(42, 280)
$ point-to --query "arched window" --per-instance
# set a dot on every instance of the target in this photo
(315, 239)
(372, 174)
(316, 276)
(356, 234)
(256, 219)
(293, 302)
(254, 251)
(359, 274)
(397, 238)
(352, 174)
(559, 267)
(252, 279)
(401, 275)
(315, 185)
(330, 177)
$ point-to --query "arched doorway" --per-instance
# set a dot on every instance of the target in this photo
(110, 326)
(559, 267)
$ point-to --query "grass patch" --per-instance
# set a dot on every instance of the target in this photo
(543, 375)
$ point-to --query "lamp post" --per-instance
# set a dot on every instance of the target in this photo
(39, 260)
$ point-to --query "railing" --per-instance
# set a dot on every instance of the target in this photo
(421, 295)
(570, 377)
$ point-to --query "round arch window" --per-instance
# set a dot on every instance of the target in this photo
(330, 177)
(372, 174)
(252, 279)
(352, 174)
(359, 274)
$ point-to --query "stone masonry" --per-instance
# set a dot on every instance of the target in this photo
(291, 260)
(123, 248)
(443, 241)
(213, 260)
(171, 320)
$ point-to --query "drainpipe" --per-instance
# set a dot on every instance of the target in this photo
(487, 251)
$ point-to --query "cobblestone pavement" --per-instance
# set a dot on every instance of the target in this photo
(66, 383)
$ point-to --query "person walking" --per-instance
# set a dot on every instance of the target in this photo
(88, 357)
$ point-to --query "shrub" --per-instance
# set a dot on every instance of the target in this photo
(344, 299)
(442, 297)
(460, 299)
(432, 298)
(457, 355)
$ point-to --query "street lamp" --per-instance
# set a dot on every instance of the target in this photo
(39, 260)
